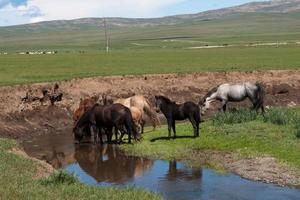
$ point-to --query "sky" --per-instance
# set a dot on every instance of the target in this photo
(14, 12)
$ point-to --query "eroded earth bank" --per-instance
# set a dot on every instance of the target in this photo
(27, 120)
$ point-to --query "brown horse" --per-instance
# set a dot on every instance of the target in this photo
(84, 106)
(137, 101)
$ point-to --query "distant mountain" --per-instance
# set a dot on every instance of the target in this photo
(275, 6)
(269, 20)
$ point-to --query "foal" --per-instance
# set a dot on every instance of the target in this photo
(173, 111)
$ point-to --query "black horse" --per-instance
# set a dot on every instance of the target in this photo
(105, 118)
(173, 111)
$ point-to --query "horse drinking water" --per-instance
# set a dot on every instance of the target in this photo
(107, 117)
(173, 111)
(235, 93)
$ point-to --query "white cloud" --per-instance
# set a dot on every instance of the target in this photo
(70, 9)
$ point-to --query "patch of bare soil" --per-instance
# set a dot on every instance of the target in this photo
(43, 170)
(20, 120)
(265, 169)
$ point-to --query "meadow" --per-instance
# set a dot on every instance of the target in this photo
(242, 132)
(21, 69)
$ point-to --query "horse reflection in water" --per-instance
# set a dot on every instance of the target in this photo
(106, 163)
(174, 173)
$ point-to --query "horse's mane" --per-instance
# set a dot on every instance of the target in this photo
(167, 100)
(209, 93)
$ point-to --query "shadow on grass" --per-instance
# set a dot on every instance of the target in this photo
(172, 138)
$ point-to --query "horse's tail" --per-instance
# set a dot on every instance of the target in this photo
(129, 124)
(149, 111)
(260, 94)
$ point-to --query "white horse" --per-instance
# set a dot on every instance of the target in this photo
(234, 93)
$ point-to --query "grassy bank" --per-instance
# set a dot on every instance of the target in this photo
(20, 69)
(241, 133)
(17, 182)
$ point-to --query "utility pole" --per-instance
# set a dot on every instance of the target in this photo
(106, 35)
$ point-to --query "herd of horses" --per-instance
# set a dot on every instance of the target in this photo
(102, 116)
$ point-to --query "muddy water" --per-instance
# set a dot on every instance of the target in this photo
(108, 166)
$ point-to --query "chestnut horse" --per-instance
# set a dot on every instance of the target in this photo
(84, 106)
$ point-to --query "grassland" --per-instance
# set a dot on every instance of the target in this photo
(274, 135)
(171, 32)
(20, 69)
(140, 48)
(17, 182)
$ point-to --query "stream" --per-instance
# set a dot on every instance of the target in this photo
(107, 166)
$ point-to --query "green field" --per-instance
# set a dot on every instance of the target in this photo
(243, 133)
(139, 48)
(20, 69)
(170, 32)
(17, 182)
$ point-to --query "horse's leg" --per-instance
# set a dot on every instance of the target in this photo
(143, 122)
(129, 130)
(174, 127)
(109, 134)
(262, 109)
(100, 135)
(169, 126)
(198, 128)
(121, 129)
(253, 101)
(94, 130)
(194, 124)
(116, 134)
(224, 104)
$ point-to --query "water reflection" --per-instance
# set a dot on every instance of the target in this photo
(108, 166)
(175, 173)
(107, 163)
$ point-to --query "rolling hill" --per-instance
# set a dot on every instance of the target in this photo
(269, 21)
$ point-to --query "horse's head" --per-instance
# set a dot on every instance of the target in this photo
(204, 105)
(158, 103)
(137, 135)
(78, 133)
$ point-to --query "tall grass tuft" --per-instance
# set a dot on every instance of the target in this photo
(281, 116)
(235, 116)
(60, 177)
(297, 128)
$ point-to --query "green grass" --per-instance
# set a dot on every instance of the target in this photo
(161, 48)
(16, 182)
(253, 137)
(20, 69)
(230, 29)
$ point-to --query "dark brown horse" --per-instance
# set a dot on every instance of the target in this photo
(104, 118)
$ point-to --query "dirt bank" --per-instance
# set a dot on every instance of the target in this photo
(282, 87)
(20, 121)
(265, 169)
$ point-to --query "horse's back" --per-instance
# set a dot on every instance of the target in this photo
(119, 111)
(139, 101)
(233, 92)
(190, 106)
(135, 112)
